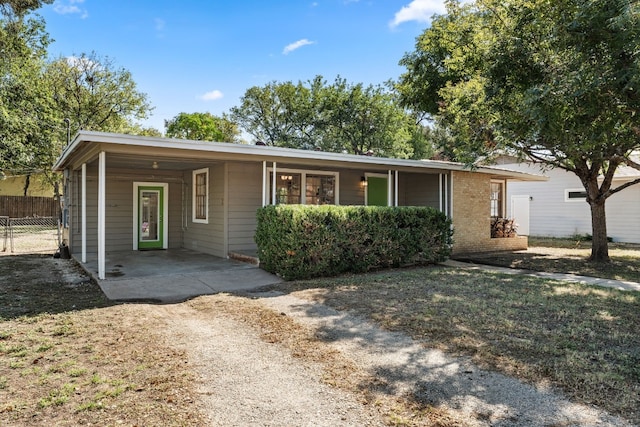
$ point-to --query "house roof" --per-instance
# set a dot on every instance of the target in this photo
(86, 145)
(623, 172)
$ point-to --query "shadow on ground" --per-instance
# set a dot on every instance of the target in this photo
(36, 284)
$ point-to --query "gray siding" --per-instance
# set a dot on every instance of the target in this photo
(235, 194)
(245, 197)
(418, 190)
(208, 238)
(351, 188)
(119, 221)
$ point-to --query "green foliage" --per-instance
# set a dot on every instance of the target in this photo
(297, 241)
(201, 127)
(554, 82)
(42, 102)
(21, 7)
(95, 94)
(26, 110)
(337, 117)
(37, 96)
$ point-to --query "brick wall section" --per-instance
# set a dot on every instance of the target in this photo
(472, 216)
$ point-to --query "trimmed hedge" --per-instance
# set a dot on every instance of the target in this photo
(298, 241)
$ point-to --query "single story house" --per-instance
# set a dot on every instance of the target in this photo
(129, 193)
(558, 207)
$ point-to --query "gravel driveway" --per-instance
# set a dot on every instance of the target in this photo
(245, 381)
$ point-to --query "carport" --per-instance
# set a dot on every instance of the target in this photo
(174, 275)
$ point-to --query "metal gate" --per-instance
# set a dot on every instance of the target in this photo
(29, 235)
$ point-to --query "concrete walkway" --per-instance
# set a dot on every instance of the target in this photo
(607, 283)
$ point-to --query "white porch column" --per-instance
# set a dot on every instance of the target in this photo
(450, 210)
(395, 193)
(273, 185)
(265, 177)
(440, 190)
(102, 158)
(446, 194)
(389, 188)
(84, 212)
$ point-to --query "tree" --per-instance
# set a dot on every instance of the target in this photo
(96, 95)
(338, 117)
(21, 7)
(282, 114)
(202, 127)
(41, 101)
(554, 82)
(26, 112)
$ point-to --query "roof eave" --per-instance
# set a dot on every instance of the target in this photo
(273, 152)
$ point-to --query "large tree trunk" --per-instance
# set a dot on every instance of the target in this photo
(599, 243)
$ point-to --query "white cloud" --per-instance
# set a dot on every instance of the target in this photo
(296, 45)
(159, 24)
(418, 10)
(69, 7)
(212, 96)
(82, 63)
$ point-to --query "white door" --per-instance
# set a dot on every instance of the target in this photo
(520, 212)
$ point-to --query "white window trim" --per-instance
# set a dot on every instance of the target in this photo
(503, 206)
(574, 200)
(165, 211)
(303, 182)
(193, 196)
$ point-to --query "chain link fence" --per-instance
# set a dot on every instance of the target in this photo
(29, 235)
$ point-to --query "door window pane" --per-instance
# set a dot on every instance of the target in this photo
(149, 214)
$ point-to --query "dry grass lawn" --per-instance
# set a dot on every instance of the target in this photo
(70, 357)
(581, 339)
(569, 256)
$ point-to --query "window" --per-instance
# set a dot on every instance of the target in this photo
(575, 195)
(201, 196)
(303, 187)
(497, 199)
(288, 189)
(320, 189)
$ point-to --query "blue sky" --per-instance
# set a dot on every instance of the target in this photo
(196, 56)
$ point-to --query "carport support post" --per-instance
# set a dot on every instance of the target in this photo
(102, 157)
(84, 213)
(273, 185)
(264, 183)
(389, 188)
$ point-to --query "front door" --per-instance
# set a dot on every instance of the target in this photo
(151, 217)
(377, 190)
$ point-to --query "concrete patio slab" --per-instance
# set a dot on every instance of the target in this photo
(174, 275)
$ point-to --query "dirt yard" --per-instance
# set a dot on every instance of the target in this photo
(70, 357)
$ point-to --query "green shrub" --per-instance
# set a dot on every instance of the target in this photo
(297, 241)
